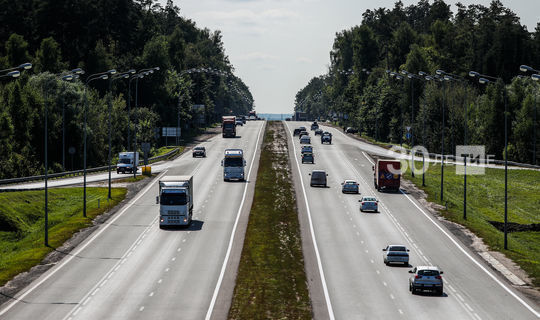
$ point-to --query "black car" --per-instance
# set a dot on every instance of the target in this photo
(308, 158)
(199, 152)
(314, 126)
(326, 137)
(351, 130)
(296, 131)
(318, 132)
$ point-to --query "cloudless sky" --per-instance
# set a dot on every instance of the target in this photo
(277, 46)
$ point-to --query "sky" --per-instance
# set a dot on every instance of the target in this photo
(277, 46)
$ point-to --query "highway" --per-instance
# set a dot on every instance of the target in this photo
(355, 281)
(130, 269)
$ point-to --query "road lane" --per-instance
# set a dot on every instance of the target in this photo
(135, 270)
(350, 243)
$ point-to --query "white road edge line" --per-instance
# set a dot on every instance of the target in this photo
(525, 304)
(317, 254)
(80, 249)
(229, 248)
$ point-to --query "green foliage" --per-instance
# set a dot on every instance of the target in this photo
(428, 37)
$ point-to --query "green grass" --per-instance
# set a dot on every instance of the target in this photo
(22, 223)
(271, 281)
(485, 202)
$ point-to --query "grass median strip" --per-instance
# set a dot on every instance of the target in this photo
(22, 223)
(271, 281)
(485, 209)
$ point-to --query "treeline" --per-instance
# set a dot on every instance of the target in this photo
(59, 35)
(360, 91)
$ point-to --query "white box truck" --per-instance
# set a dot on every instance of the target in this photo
(175, 201)
(233, 165)
(125, 162)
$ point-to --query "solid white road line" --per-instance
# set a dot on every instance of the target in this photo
(229, 248)
(317, 254)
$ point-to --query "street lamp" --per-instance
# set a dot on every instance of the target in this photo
(11, 74)
(485, 79)
(75, 75)
(412, 76)
(400, 78)
(21, 67)
(535, 77)
(96, 76)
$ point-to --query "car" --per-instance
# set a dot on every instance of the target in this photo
(297, 131)
(394, 253)
(199, 152)
(305, 139)
(308, 157)
(369, 203)
(314, 126)
(303, 133)
(350, 186)
(239, 122)
(307, 149)
(351, 130)
(326, 137)
(318, 178)
(426, 278)
(318, 132)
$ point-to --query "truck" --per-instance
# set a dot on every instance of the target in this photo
(233, 165)
(326, 137)
(229, 126)
(387, 174)
(299, 116)
(175, 201)
(125, 162)
(252, 115)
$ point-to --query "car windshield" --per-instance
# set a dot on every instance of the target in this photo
(228, 125)
(173, 199)
(428, 273)
(397, 248)
(233, 162)
(370, 199)
(318, 175)
(350, 183)
(128, 161)
(199, 148)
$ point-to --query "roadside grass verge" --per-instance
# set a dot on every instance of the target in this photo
(22, 223)
(485, 203)
(271, 281)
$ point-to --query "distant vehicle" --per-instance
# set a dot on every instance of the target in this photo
(308, 158)
(299, 116)
(350, 186)
(297, 131)
(426, 278)
(303, 133)
(386, 174)
(314, 126)
(287, 119)
(228, 126)
(396, 254)
(252, 115)
(318, 178)
(368, 203)
(307, 149)
(199, 152)
(175, 200)
(243, 118)
(239, 122)
(318, 132)
(305, 139)
(233, 165)
(125, 162)
(326, 137)
(351, 130)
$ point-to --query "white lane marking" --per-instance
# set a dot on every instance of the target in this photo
(229, 248)
(315, 246)
(469, 307)
(385, 284)
(400, 311)
(525, 304)
(179, 249)
(378, 272)
(173, 259)
(167, 270)
(160, 281)
(141, 308)
(392, 296)
(460, 297)
(151, 294)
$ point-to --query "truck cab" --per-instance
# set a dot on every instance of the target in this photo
(175, 201)
(228, 126)
(126, 163)
(233, 165)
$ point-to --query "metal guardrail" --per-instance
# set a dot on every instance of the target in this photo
(80, 172)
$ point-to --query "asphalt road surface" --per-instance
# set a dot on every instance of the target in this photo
(130, 269)
(356, 282)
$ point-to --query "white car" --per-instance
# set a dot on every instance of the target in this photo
(305, 139)
(396, 254)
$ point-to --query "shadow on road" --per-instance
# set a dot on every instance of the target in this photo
(196, 225)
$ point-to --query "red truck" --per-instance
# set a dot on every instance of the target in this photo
(387, 174)
(228, 126)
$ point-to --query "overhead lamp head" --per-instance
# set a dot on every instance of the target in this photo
(535, 77)
(440, 72)
(388, 71)
(483, 80)
(448, 78)
(404, 72)
(410, 76)
(399, 77)
(525, 68)
(131, 71)
(112, 71)
(429, 78)
(104, 77)
(77, 71)
(422, 73)
(473, 74)
(156, 68)
(14, 74)
(68, 77)
(25, 66)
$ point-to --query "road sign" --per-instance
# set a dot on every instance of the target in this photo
(408, 128)
(408, 135)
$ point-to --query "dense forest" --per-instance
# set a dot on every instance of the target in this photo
(367, 85)
(57, 36)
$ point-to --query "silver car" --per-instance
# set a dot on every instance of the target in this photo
(349, 186)
(369, 203)
(426, 278)
(396, 254)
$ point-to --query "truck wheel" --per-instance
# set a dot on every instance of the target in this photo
(117, 172)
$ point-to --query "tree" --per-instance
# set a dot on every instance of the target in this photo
(48, 57)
